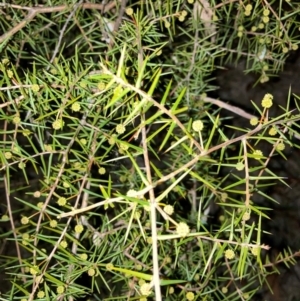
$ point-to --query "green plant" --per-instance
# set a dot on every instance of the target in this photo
(120, 151)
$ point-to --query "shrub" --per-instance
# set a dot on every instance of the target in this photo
(112, 153)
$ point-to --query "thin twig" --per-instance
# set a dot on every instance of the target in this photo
(117, 23)
(11, 219)
(247, 201)
(156, 279)
(271, 264)
(228, 107)
(62, 32)
(233, 280)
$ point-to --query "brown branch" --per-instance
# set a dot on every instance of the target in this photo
(33, 11)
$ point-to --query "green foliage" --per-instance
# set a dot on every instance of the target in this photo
(111, 153)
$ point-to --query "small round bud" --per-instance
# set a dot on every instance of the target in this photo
(124, 146)
(5, 61)
(79, 229)
(24, 220)
(22, 165)
(5, 217)
(83, 84)
(248, 7)
(168, 259)
(84, 256)
(272, 131)
(255, 250)
(39, 279)
(60, 289)
(181, 18)
(224, 196)
(146, 289)
(17, 120)
(229, 254)
(240, 166)
(91, 272)
(184, 13)
(182, 229)
(48, 147)
(197, 125)
(35, 88)
(66, 184)
(267, 101)
(83, 141)
(129, 11)
(257, 154)
(169, 209)
(8, 155)
(62, 201)
(34, 270)
(264, 79)
(76, 106)
(26, 133)
(53, 223)
(265, 67)
(25, 236)
(120, 129)
(123, 178)
(190, 296)
(9, 73)
(131, 193)
(254, 121)
(41, 294)
(40, 205)
(167, 24)
(63, 244)
(159, 52)
(280, 146)
(112, 140)
(109, 266)
(101, 170)
(224, 290)
(246, 216)
(285, 50)
(101, 86)
(261, 25)
(53, 71)
(58, 124)
(265, 19)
